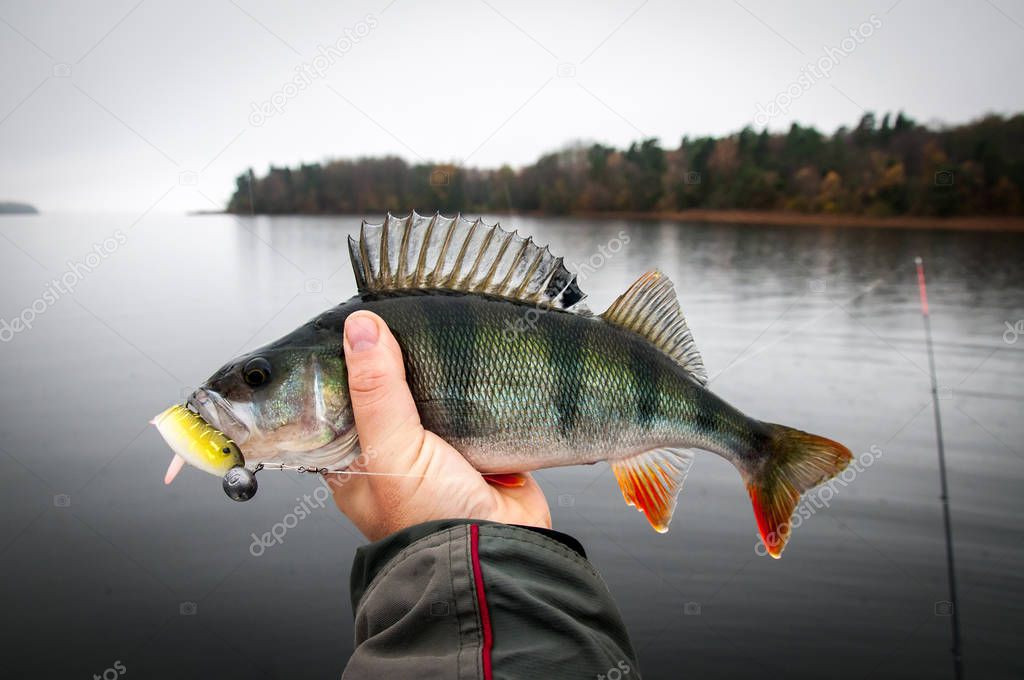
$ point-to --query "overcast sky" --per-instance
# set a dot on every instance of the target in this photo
(161, 103)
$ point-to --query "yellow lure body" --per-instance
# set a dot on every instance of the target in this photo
(197, 442)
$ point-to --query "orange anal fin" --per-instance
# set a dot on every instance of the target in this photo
(650, 482)
(511, 480)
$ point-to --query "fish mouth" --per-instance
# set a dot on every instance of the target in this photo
(217, 411)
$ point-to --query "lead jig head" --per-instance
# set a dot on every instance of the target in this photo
(240, 483)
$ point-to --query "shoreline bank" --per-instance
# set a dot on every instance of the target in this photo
(791, 219)
(771, 218)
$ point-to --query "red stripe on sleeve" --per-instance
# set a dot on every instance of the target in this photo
(485, 616)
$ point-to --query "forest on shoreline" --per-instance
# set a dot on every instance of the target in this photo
(878, 169)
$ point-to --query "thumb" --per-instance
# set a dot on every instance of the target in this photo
(385, 413)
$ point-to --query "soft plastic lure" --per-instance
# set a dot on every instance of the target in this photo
(196, 442)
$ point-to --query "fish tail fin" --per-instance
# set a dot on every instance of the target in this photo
(796, 461)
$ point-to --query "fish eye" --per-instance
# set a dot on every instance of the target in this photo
(256, 372)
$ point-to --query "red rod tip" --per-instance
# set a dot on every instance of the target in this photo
(922, 286)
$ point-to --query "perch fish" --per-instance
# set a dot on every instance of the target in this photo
(570, 387)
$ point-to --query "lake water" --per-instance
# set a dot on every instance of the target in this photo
(815, 328)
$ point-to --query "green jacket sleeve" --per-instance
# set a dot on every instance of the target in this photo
(478, 600)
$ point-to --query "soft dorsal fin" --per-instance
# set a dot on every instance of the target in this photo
(651, 481)
(649, 308)
(453, 253)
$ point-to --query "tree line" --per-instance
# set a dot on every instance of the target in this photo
(877, 168)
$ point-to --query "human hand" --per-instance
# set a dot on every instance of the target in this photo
(418, 476)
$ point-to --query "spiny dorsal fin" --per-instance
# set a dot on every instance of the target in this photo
(452, 253)
(652, 480)
(649, 308)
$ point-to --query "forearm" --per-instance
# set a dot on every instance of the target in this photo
(460, 599)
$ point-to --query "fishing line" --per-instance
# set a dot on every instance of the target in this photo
(304, 469)
(958, 662)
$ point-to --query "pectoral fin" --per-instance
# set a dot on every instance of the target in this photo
(650, 482)
(512, 480)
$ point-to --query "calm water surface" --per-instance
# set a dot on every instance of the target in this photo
(815, 328)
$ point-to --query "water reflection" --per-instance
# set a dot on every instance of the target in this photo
(817, 328)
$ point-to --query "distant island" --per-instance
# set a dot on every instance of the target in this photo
(13, 208)
(892, 171)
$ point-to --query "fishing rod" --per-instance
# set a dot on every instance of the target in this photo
(958, 661)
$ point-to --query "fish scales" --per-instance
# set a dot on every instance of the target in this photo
(512, 400)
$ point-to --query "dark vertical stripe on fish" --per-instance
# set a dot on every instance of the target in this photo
(567, 365)
(705, 421)
(455, 346)
(643, 370)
